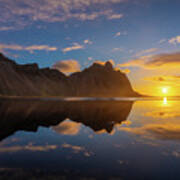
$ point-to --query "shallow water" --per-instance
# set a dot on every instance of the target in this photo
(90, 138)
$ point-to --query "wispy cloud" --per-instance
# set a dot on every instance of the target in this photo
(155, 61)
(162, 41)
(29, 147)
(6, 28)
(75, 46)
(168, 79)
(23, 12)
(117, 49)
(146, 51)
(117, 34)
(115, 16)
(31, 49)
(77, 149)
(120, 33)
(67, 66)
(87, 41)
(168, 131)
(175, 40)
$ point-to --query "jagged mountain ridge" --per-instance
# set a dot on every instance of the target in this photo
(29, 80)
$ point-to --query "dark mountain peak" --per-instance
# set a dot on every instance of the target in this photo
(96, 66)
(108, 65)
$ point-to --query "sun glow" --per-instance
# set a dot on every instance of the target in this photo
(164, 90)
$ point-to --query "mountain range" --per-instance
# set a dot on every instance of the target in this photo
(95, 81)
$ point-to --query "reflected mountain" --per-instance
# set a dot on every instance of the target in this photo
(28, 115)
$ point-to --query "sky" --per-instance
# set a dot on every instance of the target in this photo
(140, 37)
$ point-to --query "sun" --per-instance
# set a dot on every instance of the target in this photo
(164, 90)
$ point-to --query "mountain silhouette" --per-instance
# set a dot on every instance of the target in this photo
(29, 80)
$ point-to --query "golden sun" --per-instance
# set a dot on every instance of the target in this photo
(164, 90)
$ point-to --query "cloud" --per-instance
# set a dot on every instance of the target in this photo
(120, 33)
(75, 46)
(163, 78)
(90, 58)
(104, 62)
(24, 12)
(166, 80)
(146, 51)
(126, 71)
(74, 148)
(40, 48)
(162, 41)
(117, 49)
(6, 28)
(167, 131)
(29, 147)
(67, 66)
(115, 16)
(163, 114)
(175, 40)
(68, 128)
(155, 61)
(32, 48)
(87, 41)
(77, 149)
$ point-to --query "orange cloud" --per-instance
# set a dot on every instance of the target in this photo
(104, 62)
(165, 79)
(87, 41)
(155, 61)
(27, 48)
(67, 66)
(29, 147)
(163, 114)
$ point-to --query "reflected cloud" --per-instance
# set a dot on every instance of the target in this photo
(156, 131)
(77, 149)
(68, 128)
(29, 147)
(154, 120)
(163, 114)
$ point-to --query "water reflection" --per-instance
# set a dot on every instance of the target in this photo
(28, 115)
(158, 120)
(90, 139)
(165, 101)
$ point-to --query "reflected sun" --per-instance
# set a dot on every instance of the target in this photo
(165, 101)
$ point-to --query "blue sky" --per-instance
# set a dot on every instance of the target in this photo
(51, 31)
